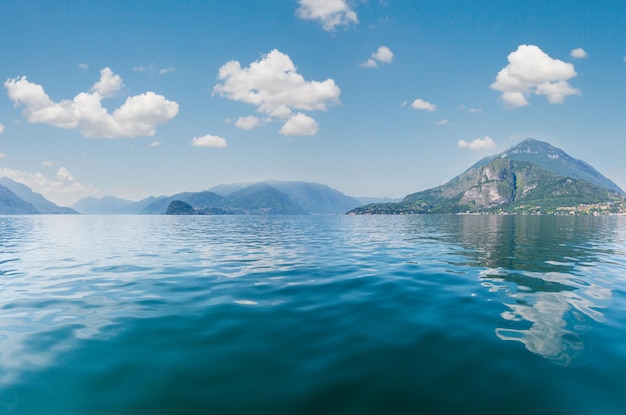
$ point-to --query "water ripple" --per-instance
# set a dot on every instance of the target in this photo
(309, 314)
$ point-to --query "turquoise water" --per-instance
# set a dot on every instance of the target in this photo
(312, 315)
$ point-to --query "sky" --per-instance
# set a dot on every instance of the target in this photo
(376, 98)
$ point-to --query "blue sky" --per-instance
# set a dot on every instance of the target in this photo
(371, 97)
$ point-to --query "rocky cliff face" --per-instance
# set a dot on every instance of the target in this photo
(479, 188)
(493, 185)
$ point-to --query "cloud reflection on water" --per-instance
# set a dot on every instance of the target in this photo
(541, 267)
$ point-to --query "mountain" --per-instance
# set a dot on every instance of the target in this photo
(226, 189)
(555, 160)
(532, 177)
(367, 200)
(255, 199)
(40, 203)
(269, 197)
(12, 204)
(262, 198)
(315, 198)
(195, 199)
(137, 207)
(103, 205)
(178, 207)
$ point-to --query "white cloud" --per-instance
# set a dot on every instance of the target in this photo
(154, 144)
(470, 109)
(383, 54)
(578, 53)
(299, 124)
(152, 68)
(556, 91)
(64, 174)
(532, 71)
(420, 104)
(442, 122)
(83, 66)
(274, 86)
(1, 128)
(208, 141)
(47, 163)
(137, 117)
(143, 68)
(370, 63)
(484, 143)
(3, 156)
(167, 70)
(331, 13)
(63, 190)
(248, 123)
(109, 84)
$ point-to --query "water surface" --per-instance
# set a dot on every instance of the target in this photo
(309, 315)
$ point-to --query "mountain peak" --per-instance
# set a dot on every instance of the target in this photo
(554, 160)
(532, 146)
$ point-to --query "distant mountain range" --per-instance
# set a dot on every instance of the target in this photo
(16, 198)
(531, 177)
(269, 198)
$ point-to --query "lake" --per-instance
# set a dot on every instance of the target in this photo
(312, 314)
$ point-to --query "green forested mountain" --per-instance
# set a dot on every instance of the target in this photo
(178, 207)
(532, 177)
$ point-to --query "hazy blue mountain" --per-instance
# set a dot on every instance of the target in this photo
(12, 204)
(205, 199)
(137, 207)
(270, 197)
(501, 184)
(111, 205)
(261, 198)
(198, 200)
(227, 189)
(316, 198)
(160, 204)
(39, 202)
(104, 205)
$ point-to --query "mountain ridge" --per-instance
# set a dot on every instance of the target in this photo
(544, 179)
(33, 203)
(12, 204)
(281, 197)
(553, 159)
